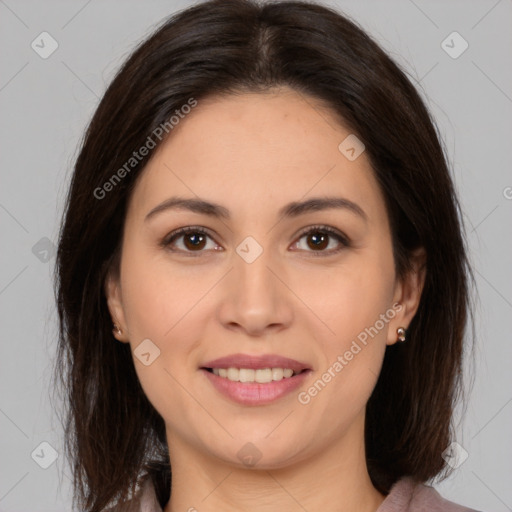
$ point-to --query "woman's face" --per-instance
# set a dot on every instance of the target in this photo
(265, 282)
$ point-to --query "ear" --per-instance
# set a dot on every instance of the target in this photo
(408, 294)
(115, 305)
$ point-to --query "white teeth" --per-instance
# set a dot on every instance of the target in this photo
(287, 372)
(277, 373)
(233, 374)
(262, 376)
(246, 375)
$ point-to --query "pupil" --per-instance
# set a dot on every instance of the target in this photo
(194, 240)
(319, 241)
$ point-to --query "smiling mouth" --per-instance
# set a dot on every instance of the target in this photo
(250, 375)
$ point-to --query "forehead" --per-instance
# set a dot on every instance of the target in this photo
(257, 151)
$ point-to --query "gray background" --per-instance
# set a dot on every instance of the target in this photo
(45, 105)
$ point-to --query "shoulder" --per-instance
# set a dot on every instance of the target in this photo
(143, 499)
(408, 495)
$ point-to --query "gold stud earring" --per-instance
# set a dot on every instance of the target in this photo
(401, 334)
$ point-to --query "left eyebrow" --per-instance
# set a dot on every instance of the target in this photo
(322, 203)
(293, 209)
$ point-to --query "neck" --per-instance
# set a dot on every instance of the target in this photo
(334, 480)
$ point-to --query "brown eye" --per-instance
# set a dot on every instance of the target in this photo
(319, 238)
(189, 240)
(194, 241)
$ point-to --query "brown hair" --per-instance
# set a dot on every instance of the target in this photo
(113, 433)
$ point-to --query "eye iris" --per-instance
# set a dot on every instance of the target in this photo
(320, 240)
(196, 239)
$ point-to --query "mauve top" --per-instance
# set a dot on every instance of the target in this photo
(404, 496)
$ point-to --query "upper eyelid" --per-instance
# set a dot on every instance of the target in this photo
(322, 227)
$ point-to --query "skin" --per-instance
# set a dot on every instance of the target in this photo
(254, 153)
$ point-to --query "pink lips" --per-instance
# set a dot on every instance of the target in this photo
(253, 393)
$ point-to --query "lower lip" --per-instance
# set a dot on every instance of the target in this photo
(254, 393)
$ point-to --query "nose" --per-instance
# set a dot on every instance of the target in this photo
(256, 299)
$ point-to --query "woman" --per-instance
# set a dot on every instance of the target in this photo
(262, 216)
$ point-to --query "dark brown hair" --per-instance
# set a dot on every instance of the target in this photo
(113, 433)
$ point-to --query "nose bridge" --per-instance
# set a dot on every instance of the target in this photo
(252, 276)
(255, 298)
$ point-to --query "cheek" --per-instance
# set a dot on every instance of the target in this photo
(350, 298)
(159, 298)
(353, 303)
(160, 304)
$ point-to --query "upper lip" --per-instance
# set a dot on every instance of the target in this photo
(256, 362)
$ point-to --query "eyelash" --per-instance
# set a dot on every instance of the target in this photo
(344, 241)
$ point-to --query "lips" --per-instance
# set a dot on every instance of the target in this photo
(255, 393)
(256, 362)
